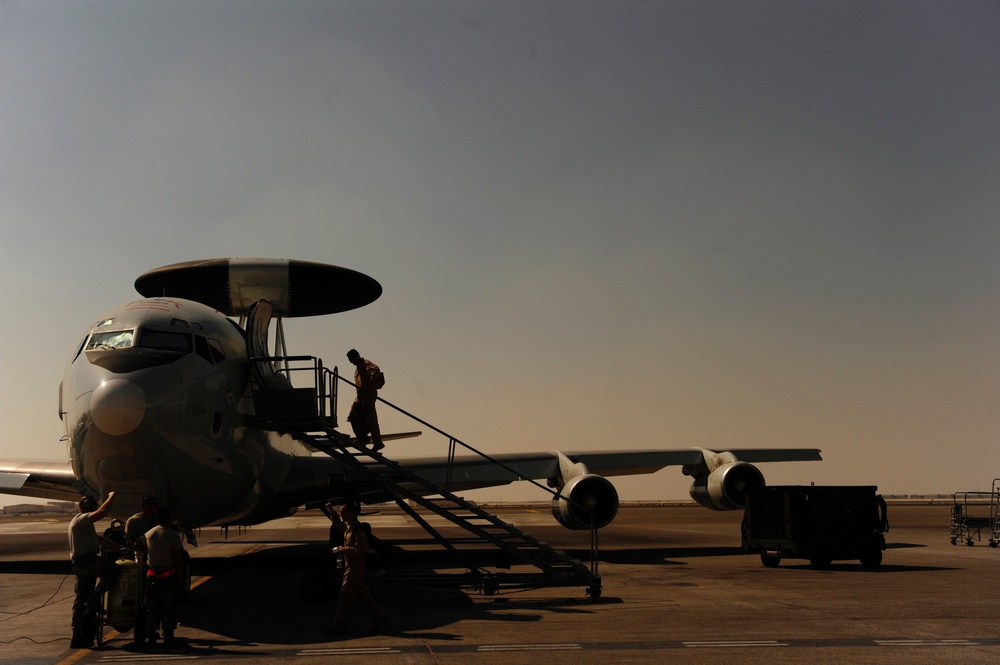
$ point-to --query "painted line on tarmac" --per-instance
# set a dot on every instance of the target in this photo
(352, 651)
(730, 644)
(145, 657)
(925, 643)
(527, 647)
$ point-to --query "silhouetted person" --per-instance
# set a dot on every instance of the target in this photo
(88, 566)
(336, 538)
(379, 552)
(352, 588)
(164, 575)
(368, 378)
(144, 520)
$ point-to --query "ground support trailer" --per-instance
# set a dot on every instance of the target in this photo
(821, 524)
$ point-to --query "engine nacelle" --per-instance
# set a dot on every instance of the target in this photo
(589, 494)
(726, 487)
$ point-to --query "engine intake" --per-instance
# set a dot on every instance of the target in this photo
(588, 494)
(726, 488)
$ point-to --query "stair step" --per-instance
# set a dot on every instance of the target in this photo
(485, 527)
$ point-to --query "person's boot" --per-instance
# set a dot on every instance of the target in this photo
(151, 638)
(169, 641)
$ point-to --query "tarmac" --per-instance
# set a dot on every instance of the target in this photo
(676, 587)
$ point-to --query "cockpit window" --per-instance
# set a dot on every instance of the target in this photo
(117, 339)
(209, 349)
(201, 347)
(218, 353)
(165, 341)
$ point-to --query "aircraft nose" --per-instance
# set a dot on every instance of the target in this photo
(117, 406)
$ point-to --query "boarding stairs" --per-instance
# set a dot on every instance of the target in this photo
(316, 427)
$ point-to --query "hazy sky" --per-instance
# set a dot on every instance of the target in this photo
(597, 224)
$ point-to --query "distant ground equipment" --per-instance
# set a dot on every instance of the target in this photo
(971, 512)
(821, 524)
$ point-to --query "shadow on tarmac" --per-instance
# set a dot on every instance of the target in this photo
(257, 600)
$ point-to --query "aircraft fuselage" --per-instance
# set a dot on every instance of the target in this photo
(157, 401)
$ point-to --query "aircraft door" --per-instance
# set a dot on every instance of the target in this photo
(261, 371)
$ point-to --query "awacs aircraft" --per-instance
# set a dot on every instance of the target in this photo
(164, 396)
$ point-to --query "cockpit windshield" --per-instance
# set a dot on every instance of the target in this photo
(165, 341)
(116, 339)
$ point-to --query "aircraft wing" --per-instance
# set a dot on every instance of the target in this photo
(42, 480)
(310, 475)
(542, 466)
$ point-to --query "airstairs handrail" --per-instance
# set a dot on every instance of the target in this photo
(324, 379)
(326, 390)
(451, 454)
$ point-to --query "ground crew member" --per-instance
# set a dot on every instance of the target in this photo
(135, 528)
(88, 566)
(352, 588)
(368, 378)
(165, 570)
(144, 520)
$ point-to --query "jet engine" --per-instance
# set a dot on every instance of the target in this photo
(583, 497)
(726, 487)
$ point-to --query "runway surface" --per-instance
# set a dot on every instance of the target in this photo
(677, 588)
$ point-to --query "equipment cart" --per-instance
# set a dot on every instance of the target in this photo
(971, 512)
(821, 524)
(123, 603)
(995, 514)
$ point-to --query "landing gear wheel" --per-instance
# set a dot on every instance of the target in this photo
(994, 543)
(970, 542)
(770, 560)
(315, 588)
(594, 592)
(871, 559)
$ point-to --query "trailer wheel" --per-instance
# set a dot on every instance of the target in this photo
(769, 560)
(970, 542)
(820, 561)
(871, 559)
(994, 543)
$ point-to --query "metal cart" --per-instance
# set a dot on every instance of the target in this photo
(123, 603)
(971, 512)
(995, 514)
